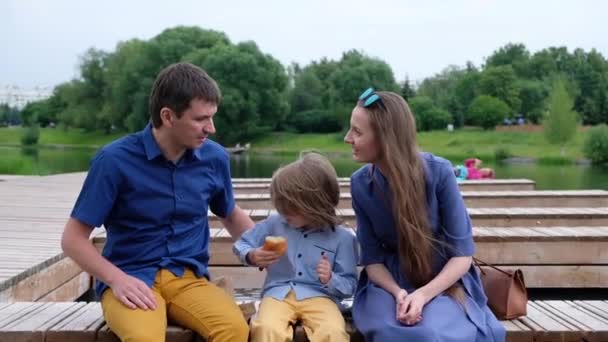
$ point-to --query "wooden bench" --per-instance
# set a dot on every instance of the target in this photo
(477, 199)
(550, 257)
(488, 217)
(262, 185)
(83, 322)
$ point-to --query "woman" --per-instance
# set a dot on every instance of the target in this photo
(415, 235)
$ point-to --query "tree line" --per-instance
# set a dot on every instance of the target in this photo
(261, 95)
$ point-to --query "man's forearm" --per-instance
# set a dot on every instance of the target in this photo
(77, 246)
(237, 223)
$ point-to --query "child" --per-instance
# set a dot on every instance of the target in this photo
(319, 267)
(474, 170)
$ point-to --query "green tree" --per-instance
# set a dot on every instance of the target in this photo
(452, 89)
(515, 55)
(501, 83)
(596, 144)
(465, 91)
(9, 115)
(407, 90)
(30, 135)
(487, 111)
(561, 121)
(533, 95)
(356, 72)
(254, 87)
(307, 93)
(4, 110)
(428, 116)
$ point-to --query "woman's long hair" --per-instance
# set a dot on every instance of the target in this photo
(394, 128)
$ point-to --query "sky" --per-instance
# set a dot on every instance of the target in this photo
(42, 40)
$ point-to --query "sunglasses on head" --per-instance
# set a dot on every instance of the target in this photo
(369, 97)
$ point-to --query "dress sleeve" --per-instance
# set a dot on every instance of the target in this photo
(453, 215)
(371, 247)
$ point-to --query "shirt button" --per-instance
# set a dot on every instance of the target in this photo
(299, 273)
(305, 235)
(299, 255)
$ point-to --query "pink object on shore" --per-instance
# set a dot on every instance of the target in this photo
(474, 172)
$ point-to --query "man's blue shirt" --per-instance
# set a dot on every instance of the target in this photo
(154, 210)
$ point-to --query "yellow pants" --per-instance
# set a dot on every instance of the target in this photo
(320, 317)
(189, 301)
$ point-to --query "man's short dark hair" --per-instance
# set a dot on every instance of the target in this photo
(177, 85)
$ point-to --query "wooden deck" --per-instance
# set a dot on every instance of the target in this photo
(262, 185)
(489, 217)
(32, 266)
(550, 257)
(79, 322)
(33, 211)
(478, 199)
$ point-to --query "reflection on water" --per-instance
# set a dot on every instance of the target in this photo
(44, 161)
(546, 176)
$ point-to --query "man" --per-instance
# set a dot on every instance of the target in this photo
(151, 191)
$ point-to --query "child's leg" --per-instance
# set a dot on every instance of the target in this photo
(135, 325)
(322, 320)
(274, 320)
(198, 304)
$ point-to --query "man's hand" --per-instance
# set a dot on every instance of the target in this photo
(324, 269)
(262, 258)
(133, 293)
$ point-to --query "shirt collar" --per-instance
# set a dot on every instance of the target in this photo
(153, 150)
(150, 144)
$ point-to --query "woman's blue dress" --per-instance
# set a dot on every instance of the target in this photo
(444, 319)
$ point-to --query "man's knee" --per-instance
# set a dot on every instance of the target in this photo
(143, 335)
(233, 330)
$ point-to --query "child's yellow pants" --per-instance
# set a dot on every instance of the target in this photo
(320, 317)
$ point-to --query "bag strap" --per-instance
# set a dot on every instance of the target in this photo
(478, 262)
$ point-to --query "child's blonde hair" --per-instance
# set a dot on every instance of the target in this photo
(307, 187)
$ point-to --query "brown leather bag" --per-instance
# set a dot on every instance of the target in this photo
(506, 290)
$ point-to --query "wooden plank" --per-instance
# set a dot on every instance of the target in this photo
(70, 290)
(553, 326)
(544, 252)
(597, 307)
(518, 332)
(585, 320)
(541, 276)
(32, 326)
(242, 277)
(81, 326)
(41, 281)
(14, 311)
(486, 199)
(174, 334)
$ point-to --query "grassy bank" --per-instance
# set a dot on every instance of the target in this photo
(453, 145)
(57, 136)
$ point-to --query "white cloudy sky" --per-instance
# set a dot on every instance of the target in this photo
(41, 40)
